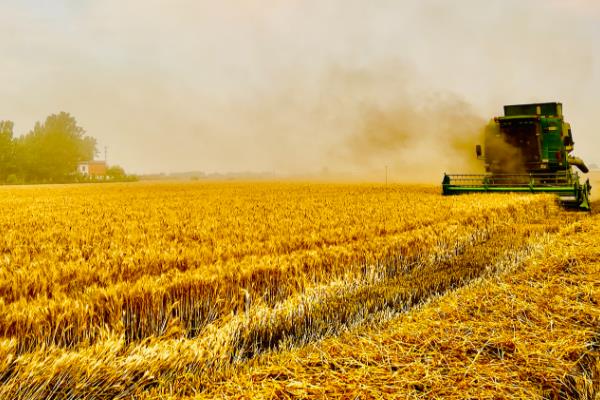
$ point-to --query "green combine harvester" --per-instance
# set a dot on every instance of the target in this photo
(527, 150)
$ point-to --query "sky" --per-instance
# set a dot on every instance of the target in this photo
(297, 87)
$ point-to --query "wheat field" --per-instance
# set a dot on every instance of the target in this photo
(287, 290)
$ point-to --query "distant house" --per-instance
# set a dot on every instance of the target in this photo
(92, 168)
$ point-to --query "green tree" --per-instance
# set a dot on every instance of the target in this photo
(52, 150)
(7, 150)
(116, 173)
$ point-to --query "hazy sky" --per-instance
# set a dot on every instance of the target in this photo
(296, 86)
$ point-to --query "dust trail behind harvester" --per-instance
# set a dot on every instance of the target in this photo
(595, 181)
(415, 133)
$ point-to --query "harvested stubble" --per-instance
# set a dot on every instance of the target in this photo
(531, 332)
(327, 257)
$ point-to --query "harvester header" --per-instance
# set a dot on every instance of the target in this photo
(527, 150)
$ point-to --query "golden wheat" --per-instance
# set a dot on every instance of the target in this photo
(109, 290)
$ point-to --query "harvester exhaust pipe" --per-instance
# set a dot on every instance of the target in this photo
(578, 162)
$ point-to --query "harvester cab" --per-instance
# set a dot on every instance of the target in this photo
(527, 150)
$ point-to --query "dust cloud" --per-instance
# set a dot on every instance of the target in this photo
(594, 178)
(503, 157)
(339, 89)
(417, 136)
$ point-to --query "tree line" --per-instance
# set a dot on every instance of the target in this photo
(49, 153)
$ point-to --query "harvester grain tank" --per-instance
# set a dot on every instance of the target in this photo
(527, 150)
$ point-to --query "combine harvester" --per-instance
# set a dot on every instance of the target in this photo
(527, 150)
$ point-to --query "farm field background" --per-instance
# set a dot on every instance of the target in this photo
(225, 289)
